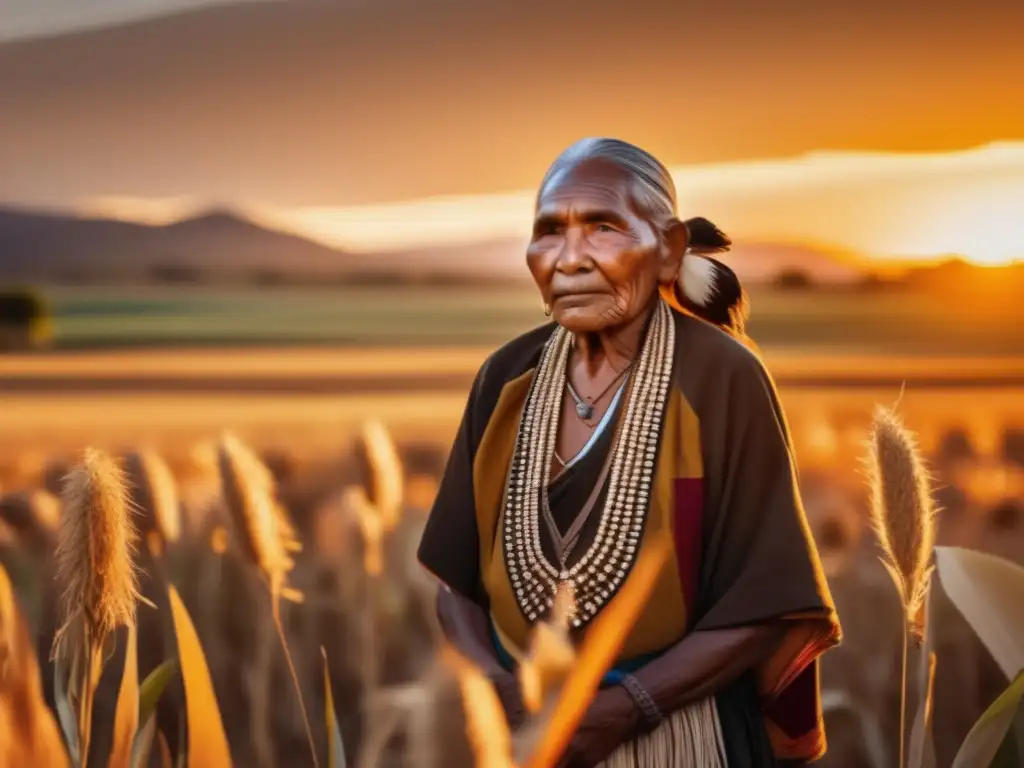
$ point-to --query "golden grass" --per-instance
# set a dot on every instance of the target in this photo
(95, 567)
(903, 511)
(383, 474)
(207, 742)
(557, 683)
(28, 730)
(355, 502)
(903, 515)
(550, 657)
(267, 534)
(154, 494)
(96, 578)
(248, 490)
(486, 727)
(126, 716)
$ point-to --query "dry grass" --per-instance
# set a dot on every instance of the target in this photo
(154, 496)
(381, 467)
(903, 512)
(95, 554)
(248, 490)
(211, 563)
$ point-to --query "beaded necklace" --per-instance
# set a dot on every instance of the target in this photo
(597, 575)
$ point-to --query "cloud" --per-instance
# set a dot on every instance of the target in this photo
(877, 204)
(36, 18)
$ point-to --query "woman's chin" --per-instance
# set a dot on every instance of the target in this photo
(583, 319)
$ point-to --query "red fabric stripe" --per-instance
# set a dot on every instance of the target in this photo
(688, 529)
(795, 709)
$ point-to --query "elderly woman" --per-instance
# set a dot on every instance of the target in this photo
(639, 409)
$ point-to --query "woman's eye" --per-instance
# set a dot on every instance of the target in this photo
(605, 228)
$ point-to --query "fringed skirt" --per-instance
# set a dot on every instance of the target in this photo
(688, 738)
(727, 731)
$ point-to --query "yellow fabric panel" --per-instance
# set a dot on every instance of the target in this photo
(664, 621)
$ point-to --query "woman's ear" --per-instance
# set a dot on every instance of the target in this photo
(676, 239)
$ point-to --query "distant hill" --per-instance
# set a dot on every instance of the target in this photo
(219, 244)
(224, 246)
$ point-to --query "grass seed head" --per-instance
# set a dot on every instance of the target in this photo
(95, 566)
(383, 473)
(371, 528)
(154, 494)
(249, 494)
(903, 511)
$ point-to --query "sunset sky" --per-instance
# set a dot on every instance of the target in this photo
(891, 129)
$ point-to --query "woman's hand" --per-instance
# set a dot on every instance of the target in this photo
(611, 720)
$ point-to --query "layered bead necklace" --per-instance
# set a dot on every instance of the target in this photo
(596, 576)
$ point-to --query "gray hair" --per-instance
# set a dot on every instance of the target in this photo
(653, 190)
(707, 287)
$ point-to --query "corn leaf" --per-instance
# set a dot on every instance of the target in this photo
(29, 736)
(603, 641)
(335, 746)
(987, 738)
(989, 592)
(1011, 753)
(126, 717)
(153, 687)
(207, 743)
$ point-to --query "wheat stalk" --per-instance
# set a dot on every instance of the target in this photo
(486, 726)
(377, 454)
(266, 535)
(550, 658)
(96, 577)
(903, 515)
(154, 495)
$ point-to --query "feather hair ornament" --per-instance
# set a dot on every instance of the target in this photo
(706, 287)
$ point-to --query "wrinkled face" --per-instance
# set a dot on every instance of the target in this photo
(596, 259)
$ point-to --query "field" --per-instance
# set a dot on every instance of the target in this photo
(296, 373)
(834, 320)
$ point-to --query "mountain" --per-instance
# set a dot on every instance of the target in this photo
(224, 245)
(220, 244)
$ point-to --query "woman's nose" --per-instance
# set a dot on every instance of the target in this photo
(573, 256)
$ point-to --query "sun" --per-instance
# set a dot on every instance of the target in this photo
(991, 259)
(983, 227)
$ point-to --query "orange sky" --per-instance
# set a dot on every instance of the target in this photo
(882, 205)
(322, 115)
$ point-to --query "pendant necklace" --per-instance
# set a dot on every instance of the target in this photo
(584, 408)
(566, 593)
